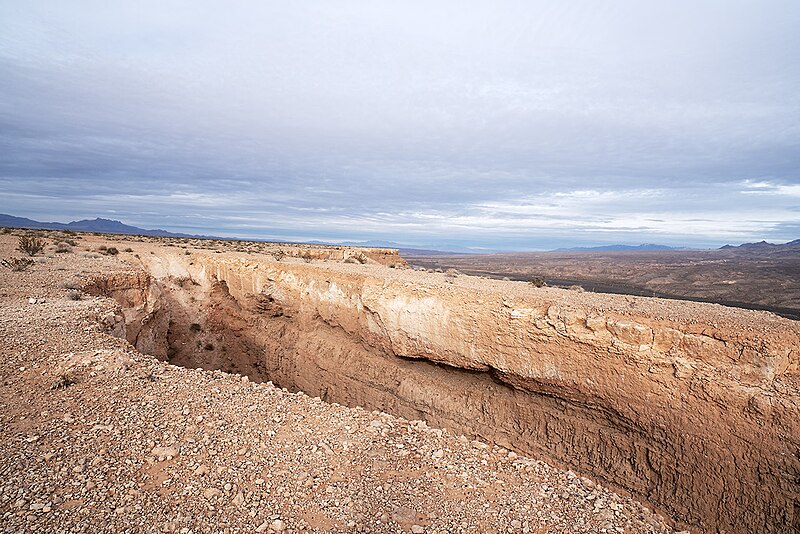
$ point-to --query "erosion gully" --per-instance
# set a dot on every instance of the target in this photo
(641, 405)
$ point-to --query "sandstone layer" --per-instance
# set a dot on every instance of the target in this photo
(690, 407)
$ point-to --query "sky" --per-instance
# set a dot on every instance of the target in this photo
(497, 125)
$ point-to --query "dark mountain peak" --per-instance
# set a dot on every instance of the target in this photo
(98, 224)
(756, 245)
(103, 225)
(96, 219)
(764, 246)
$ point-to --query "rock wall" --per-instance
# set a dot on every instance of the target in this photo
(146, 321)
(697, 418)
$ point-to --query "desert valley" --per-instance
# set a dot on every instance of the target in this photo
(752, 276)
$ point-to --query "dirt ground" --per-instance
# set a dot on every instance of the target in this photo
(97, 437)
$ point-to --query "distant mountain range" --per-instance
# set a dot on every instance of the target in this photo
(104, 226)
(110, 226)
(642, 247)
(763, 246)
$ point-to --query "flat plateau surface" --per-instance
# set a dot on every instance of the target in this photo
(766, 278)
(136, 444)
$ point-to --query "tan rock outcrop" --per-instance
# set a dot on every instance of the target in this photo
(690, 407)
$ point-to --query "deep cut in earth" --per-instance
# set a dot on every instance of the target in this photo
(689, 408)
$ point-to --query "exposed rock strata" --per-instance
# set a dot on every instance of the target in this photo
(698, 418)
(142, 307)
(98, 437)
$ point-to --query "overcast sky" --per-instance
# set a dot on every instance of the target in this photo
(502, 125)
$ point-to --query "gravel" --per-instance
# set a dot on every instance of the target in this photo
(133, 444)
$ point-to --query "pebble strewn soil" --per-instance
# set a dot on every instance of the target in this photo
(97, 437)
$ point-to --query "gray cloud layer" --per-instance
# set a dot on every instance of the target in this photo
(495, 124)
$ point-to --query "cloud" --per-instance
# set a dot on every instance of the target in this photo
(770, 188)
(520, 124)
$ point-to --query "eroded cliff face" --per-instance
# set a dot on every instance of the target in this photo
(145, 322)
(699, 418)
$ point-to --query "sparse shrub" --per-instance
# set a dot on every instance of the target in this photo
(6, 230)
(68, 232)
(102, 247)
(185, 281)
(128, 249)
(30, 245)
(74, 294)
(209, 346)
(64, 381)
(577, 288)
(195, 327)
(17, 264)
(278, 254)
(537, 281)
(70, 242)
(307, 258)
(109, 251)
(63, 248)
(70, 284)
(450, 275)
(360, 258)
(187, 253)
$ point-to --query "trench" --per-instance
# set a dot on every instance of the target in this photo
(686, 477)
